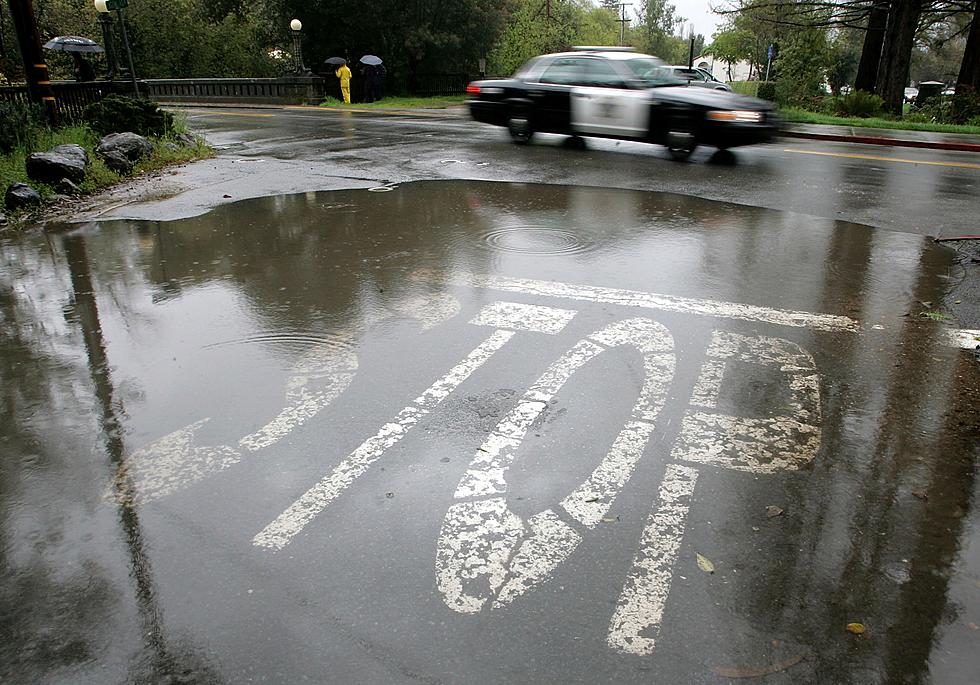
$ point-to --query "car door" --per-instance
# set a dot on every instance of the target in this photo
(551, 93)
(602, 104)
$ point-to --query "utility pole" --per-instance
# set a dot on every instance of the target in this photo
(623, 21)
(35, 68)
(690, 58)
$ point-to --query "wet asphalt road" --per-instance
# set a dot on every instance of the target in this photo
(453, 430)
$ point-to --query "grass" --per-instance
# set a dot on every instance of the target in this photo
(440, 102)
(97, 176)
(800, 116)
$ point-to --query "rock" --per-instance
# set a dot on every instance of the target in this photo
(186, 140)
(72, 150)
(172, 147)
(133, 147)
(20, 195)
(116, 161)
(3, 220)
(66, 187)
(51, 167)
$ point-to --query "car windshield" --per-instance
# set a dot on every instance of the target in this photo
(652, 72)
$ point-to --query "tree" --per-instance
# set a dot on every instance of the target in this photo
(968, 81)
(802, 67)
(656, 28)
(730, 46)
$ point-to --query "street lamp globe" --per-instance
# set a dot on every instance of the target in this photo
(295, 24)
(100, 6)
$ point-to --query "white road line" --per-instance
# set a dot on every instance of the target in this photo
(758, 445)
(486, 552)
(967, 339)
(277, 534)
(635, 624)
(636, 298)
(175, 461)
(319, 376)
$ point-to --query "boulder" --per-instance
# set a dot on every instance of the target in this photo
(72, 150)
(171, 147)
(116, 161)
(20, 195)
(51, 167)
(66, 187)
(186, 140)
(132, 146)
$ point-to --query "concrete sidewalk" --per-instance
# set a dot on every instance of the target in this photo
(879, 136)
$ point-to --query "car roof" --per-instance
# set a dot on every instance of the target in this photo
(606, 53)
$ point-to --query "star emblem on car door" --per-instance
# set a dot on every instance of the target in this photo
(607, 109)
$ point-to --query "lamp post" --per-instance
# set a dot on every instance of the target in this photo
(104, 7)
(296, 25)
(105, 23)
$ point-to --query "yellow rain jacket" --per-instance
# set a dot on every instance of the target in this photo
(343, 73)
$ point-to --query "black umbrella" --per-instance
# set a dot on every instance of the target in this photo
(373, 60)
(335, 61)
(73, 44)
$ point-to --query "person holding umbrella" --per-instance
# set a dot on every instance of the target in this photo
(375, 72)
(76, 45)
(84, 71)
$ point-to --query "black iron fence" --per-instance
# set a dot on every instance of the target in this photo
(428, 85)
(72, 97)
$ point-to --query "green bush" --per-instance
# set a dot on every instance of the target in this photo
(745, 87)
(964, 108)
(917, 118)
(20, 125)
(117, 114)
(858, 104)
(766, 90)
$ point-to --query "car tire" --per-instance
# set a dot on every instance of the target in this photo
(681, 143)
(519, 126)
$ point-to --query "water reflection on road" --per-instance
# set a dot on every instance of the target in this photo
(121, 561)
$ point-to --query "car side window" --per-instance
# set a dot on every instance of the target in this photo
(600, 73)
(564, 71)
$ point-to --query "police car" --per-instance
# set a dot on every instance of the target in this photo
(618, 93)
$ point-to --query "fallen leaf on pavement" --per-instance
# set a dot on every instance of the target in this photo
(856, 628)
(921, 494)
(705, 564)
(757, 671)
(772, 511)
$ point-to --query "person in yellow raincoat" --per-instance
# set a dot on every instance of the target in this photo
(343, 73)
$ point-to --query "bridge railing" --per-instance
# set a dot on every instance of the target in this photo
(290, 91)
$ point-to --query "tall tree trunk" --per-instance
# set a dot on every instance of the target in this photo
(896, 56)
(874, 38)
(969, 77)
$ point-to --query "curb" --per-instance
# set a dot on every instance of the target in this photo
(876, 140)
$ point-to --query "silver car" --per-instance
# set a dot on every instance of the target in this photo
(698, 77)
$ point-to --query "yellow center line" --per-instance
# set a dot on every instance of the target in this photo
(224, 114)
(876, 158)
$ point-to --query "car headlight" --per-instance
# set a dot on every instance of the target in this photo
(739, 115)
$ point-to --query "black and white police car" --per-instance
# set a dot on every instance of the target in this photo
(618, 93)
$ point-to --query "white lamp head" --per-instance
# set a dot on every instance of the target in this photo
(295, 24)
(100, 6)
